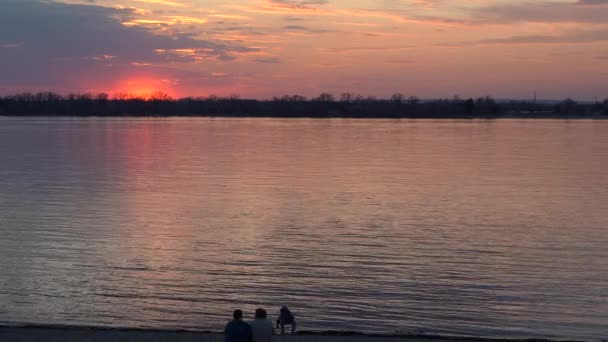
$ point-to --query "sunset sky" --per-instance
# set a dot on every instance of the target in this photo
(263, 48)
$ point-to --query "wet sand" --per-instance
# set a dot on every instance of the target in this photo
(61, 334)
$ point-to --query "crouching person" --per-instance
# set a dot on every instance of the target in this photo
(286, 318)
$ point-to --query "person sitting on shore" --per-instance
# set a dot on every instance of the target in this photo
(237, 330)
(286, 318)
(261, 328)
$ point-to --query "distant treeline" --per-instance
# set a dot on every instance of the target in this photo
(325, 105)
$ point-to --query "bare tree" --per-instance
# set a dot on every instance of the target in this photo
(102, 97)
(347, 97)
(121, 96)
(413, 100)
(469, 106)
(325, 97)
(486, 105)
(397, 98)
(159, 96)
(85, 97)
(298, 98)
(567, 106)
(47, 97)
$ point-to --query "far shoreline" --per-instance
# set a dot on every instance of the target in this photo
(296, 106)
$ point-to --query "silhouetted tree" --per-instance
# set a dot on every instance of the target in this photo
(413, 100)
(347, 97)
(85, 97)
(159, 96)
(469, 106)
(298, 98)
(567, 106)
(597, 107)
(486, 106)
(354, 106)
(290, 99)
(47, 97)
(325, 97)
(102, 97)
(397, 98)
(120, 96)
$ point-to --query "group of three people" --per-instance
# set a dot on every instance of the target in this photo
(258, 330)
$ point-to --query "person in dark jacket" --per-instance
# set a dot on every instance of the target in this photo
(237, 330)
(286, 318)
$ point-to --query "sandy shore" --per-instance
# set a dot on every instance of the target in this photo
(61, 334)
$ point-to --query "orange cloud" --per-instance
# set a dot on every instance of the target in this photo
(162, 2)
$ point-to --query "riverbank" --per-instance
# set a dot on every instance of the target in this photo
(60, 334)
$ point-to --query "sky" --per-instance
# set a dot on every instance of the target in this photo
(266, 48)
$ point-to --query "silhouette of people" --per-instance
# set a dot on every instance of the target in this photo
(237, 330)
(261, 327)
(286, 318)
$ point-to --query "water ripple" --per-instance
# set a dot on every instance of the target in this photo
(477, 228)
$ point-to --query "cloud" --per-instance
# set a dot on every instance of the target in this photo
(50, 43)
(572, 37)
(291, 19)
(568, 37)
(357, 49)
(299, 3)
(328, 65)
(307, 29)
(11, 45)
(492, 13)
(268, 60)
(296, 27)
(592, 2)
(400, 61)
(541, 12)
(162, 2)
(285, 7)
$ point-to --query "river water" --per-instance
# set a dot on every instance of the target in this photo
(476, 228)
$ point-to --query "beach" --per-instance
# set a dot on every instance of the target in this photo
(51, 334)
(60, 333)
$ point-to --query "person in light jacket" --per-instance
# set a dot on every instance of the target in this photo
(261, 328)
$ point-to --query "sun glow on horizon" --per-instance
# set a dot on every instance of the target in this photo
(145, 87)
